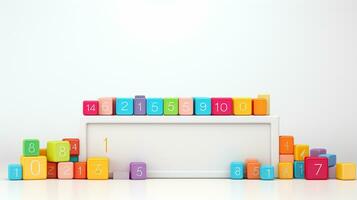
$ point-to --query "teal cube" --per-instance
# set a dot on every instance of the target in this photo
(124, 106)
(14, 172)
(237, 170)
(30, 147)
(299, 169)
(267, 172)
(154, 106)
(331, 159)
(202, 105)
(73, 159)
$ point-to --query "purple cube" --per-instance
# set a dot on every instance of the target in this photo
(138, 170)
(315, 152)
(140, 105)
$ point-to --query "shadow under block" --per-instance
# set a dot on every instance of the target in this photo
(286, 144)
(346, 171)
(98, 168)
(285, 170)
(30, 147)
(34, 168)
(301, 151)
(58, 151)
(242, 106)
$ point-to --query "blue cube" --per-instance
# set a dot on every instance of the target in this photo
(331, 159)
(73, 159)
(299, 169)
(267, 172)
(154, 106)
(14, 172)
(202, 106)
(237, 170)
(124, 106)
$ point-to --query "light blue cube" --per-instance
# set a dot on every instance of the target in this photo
(331, 159)
(237, 170)
(202, 106)
(299, 169)
(154, 106)
(14, 172)
(267, 172)
(124, 106)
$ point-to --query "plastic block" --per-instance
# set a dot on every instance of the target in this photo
(202, 105)
(331, 159)
(267, 98)
(90, 107)
(124, 106)
(139, 105)
(65, 170)
(171, 106)
(51, 170)
(242, 106)
(346, 171)
(106, 105)
(34, 168)
(260, 106)
(138, 170)
(30, 147)
(267, 172)
(316, 168)
(286, 158)
(299, 169)
(74, 146)
(154, 106)
(80, 170)
(14, 172)
(43, 152)
(332, 172)
(237, 170)
(285, 170)
(315, 152)
(222, 106)
(301, 151)
(286, 144)
(253, 170)
(186, 106)
(73, 159)
(58, 151)
(98, 168)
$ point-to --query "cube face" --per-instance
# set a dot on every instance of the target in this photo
(65, 170)
(74, 146)
(138, 170)
(267, 98)
(34, 168)
(286, 158)
(286, 144)
(30, 147)
(98, 168)
(139, 105)
(80, 170)
(202, 106)
(260, 106)
(171, 106)
(14, 172)
(106, 105)
(316, 152)
(332, 172)
(346, 171)
(90, 107)
(242, 106)
(186, 106)
(154, 106)
(316, 168)
(253, 170)
(222, 106)
(58, 151)
(299, 169)
(237, 170)
(285, 170)
(124, 106)
(267, 172)
(301, 151)
(331, 159)
(51, 170)
(43, 152)
(73, 159)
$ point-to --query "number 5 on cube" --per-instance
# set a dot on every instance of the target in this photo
(170, 106)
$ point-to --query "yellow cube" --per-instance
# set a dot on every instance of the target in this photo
(43, 152)
(34, 168)
(301, 151)
(242, 106)
(98, 168)
(267, 97)
(285, 170)
(346, 171)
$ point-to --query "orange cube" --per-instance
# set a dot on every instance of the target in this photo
(43, 152)
(286, 144)
(286, 158)
(253, 170)
(260, 106)
(80, 170)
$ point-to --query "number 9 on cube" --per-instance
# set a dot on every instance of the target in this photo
(202, 106)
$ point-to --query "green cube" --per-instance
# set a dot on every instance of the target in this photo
(58, 151)
(30, 147)
(171, 106)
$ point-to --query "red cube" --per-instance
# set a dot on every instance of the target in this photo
(80, 170)
(316, 168)
(74, 146)
(221, 106)
(51, 170)
(90, 107)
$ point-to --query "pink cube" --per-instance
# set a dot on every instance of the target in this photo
(221, 106)
(65, 170)
(90, 107)
(316, 168)
(286, 158)
(315, 152)
(106, 105)
(186, 106)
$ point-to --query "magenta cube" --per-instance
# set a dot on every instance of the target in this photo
(221, 106)
(316, 168)
(138, 170)
(316, 152)
(90, 107)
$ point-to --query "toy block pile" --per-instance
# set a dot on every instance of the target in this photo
(140, 105)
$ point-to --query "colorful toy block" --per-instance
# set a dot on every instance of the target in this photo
(315, 152)
(285, 170)
(73, 159)
(301, 151)
(267, 172)
(74, 146)
(30, 147)
(98, 168)
(222, 106)
(171, 106)
(299, 169)
(58, 151)
(138, 170)
(14, 172)
(316, 168)
(237, 170)
(242, 106)
(90, 107)
(332, 172)
(139, 105)
(260, 106)
(186, 106)
(43, 152)
(106, 105)
(286, 144)
(34, 168)
(80, 170)
(51, 170)
(124, 106)
(267, 98)
(286, 158)
(331, 159)
(346, 171)
(253, 170)
(65, 170)
(154, 106)
(202, 105)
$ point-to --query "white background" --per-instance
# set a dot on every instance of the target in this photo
(54, 54)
